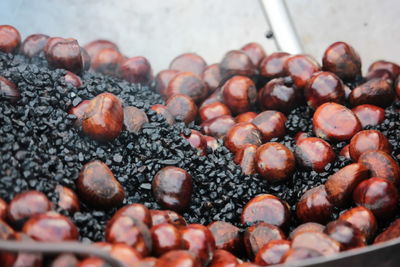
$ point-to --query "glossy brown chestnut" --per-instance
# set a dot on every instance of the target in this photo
(324, 87)
(391, 67)
(65, 54)
(3, 209)
(218, 127)
(50, 42)
(271, 124)
(314, 206)
(245, 158)
(382, 165)
(98, 187)
(67, 199)
(339, 186)
(266, 208)
(307, 227)
(320, 242)
(296, 254)
(165, 237)
(226, 236)
(79, 111)
(223, 258)
(239, 94)
(392, 232)
(135, 211)
(213, 110)
(94, 47)
(236, 62)
(212, 77)
(369, 114)
(255, 52)
(10, 38)
(183, 107)
(162, 80)
(361, 218)
(376, 92)
(164, 112)
(211, 142)
(125, 254)
(258, 235)
(65, 260)
(178, 258)
(279, 95)
(216, 96)
(8, 90)
(368, 140)
(274, 162)
(345, 152)
(379, 74)
(272, 66)
(242, 134)
(346, 234)
(377, 194)
(73, 79)
(314, 153)
(341, 59)
(167, 216)
(199, 240)
(172, 188)
(300, 136)
(272, 252)
(189, 62)
(196, 140)
(33, 44)
(108, 61)
(50, 227)
(26, 204)
(134, 118)
(246, 117)
(335, 122)
(103, 118)
(300, 68)
(137, 70)
(189, 84)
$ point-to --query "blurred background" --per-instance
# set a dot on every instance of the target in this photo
(161, 30)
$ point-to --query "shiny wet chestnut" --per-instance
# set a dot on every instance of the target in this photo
(382, 165)
(33, 44)
(108, 61)
(272, 252)
(188, 62)
(296, 254)
(368, 140)
(137, 70)
(390, 67)
(65, 54)
(189, 84)
(246, 117)
(300, 68)
(272, 66)
(376, 92)
(218, 127)
(314, 153)
(165, 237)
(3, 209)
(345, 152)
(239, 94)
(94, 47)
(361, 218)
(278, 95)
(320, 242)
(196, 140)
(369, 114)
(167, 216)
(223, 258)
(255, 52)
(236, 62)
(212, 77)
(307, 227)
(245, 158)
(162, 80)
(226, 236)
(392, 232)
(242, 134)
(213, 110)
(183, 107)
(271, 124)
(346, 234)
(10, 38)
(73, 79)
(199, 240)
(135, 211)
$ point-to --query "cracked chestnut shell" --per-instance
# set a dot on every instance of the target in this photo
(9, 38)
(242, 134)
(300, 68)
(189, 62)
(361, 218)
(314, 153)
(33, 44)
(273, 65)
(239, 94)
(382, 165)
(137, 70)
(368, 140)
(314, 206)
(376, 92)
(255, 52)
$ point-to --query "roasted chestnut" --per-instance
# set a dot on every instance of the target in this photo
(167, 216)
(162, 80)
(392, 232)
(391, 67)
(165, 237)
(108, 61)
(212, 77)
(382, 165)
(64, 54)
(223, 258)
(246, 117)
(135, 211)
(301, 253)
(94, 47)
(73, 79)
(346, 234)
(67, 199)
(164, 112)
(320, 242)
(307, 227)
(213, 110)
(245, 158)
(219, 126)
(178, 258)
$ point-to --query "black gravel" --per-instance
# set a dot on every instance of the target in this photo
(40, 148)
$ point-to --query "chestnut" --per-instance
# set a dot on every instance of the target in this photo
(211, 142)
(196, 140)
(103, 118)
(361, 218)
(108, 61)
(246, 117)
(223, 258)
(26, 204)
(307, 227)
(213, 110)
(300, 136)
(67, 199)
(345, 152)
(379, 74)
(167, 216)
(172, 188)
(50, 227)
(134, 118)
(258, 235)
(376, 92)
(226, 236)
(79, 111)
(255, 52)
(368, 140)
(33, 44)
(189, 84)
(300, 68)
(271, 124)
(183, 107)
(188, 62)
(274, 162)
(320, 242)
(382, 165)
(164, 112)
(391, 67)
(10, 38)
(212, 77)
(127, 255)
(65, 260)
(3, 209)
(8, 90)
(369, 114)
(272, 252)
(242, 134)
(199, 240)
(272, 66)
(339, 186)
(300, 253)
(245, 158)
(314, 206)
(314, 153)
(341, 59)
(218, 127)
(324, 87)
(137, 70)
(216, 96)
(239, 94)
(162, 80)
(73, 79)
(98, 187)
(178, 258)
(279, 95)
(236, 62)
(335, 122)
(94, 47)
(165, 237)
(135, 211)
(346, 234)
(266, 208)
(392, 232)
(377, 194)
(51, 42)
(65, 54)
